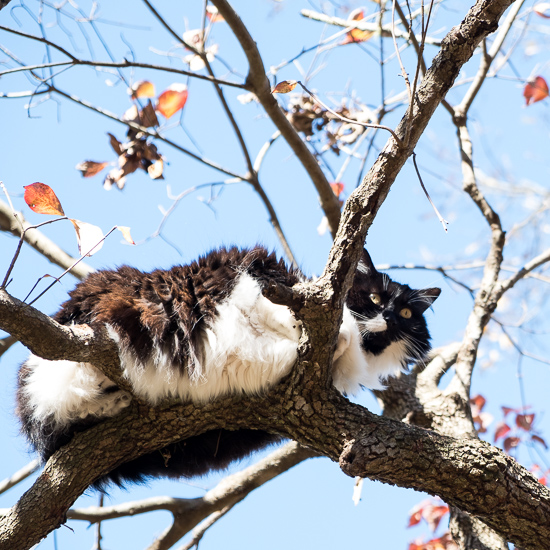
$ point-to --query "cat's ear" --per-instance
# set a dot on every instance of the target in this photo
(428, 297)
(365, 264)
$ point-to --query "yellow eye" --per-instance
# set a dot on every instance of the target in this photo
(406, 313)
(375, 298)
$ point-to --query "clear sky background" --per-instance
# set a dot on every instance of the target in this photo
(310, 506)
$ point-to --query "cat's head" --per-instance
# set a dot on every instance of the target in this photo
(390, 313)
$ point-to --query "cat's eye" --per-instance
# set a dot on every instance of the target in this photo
(406, 313)
(375, 298)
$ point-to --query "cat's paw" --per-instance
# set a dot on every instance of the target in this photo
(344, 339)
(282, 320)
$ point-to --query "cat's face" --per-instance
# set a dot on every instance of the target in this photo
(388, 312)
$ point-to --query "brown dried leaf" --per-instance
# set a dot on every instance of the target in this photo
(90, 168)
(284, 87)
(147, 116)
(115, 144)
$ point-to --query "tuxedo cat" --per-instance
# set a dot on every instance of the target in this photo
(204, 330)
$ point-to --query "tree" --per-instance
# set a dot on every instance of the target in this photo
(427, 438)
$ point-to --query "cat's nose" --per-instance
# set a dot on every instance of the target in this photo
(389, 316)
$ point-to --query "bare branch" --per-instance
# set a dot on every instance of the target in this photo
(257, 82)
(40, 242)
(20, 475)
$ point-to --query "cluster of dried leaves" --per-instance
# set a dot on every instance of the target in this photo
(139, 151)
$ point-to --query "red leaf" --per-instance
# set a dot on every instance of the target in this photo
(284, 87)
(42, 200)
(479, 402)
(90, 168)
(542, 9)
(501, 430)
(414, 518)
(172, 100)
(433, 515)
(525, 421)
(337, 188)
(535, 90)
(511, 442)
(507, 410)
(540, 440)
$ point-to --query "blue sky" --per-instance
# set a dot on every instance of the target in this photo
(311, 505)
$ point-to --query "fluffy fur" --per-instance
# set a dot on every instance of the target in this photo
(202, 331)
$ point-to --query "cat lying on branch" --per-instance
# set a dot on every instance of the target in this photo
(204, 330)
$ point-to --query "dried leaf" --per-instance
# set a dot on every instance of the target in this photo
(88, 236)
(501, 430)
(542, 9)
(535, 90)
(115, 144)
(147, 116)
(172, 100)
(511, 442)
(525, 421)
(155, 170)
(337, 188)
(90, 168)
(357, 35)
(142, 88)
(535, 437)
(506, 410)
(284, 87)
(126, 233)
(42, 200)
(414, 518)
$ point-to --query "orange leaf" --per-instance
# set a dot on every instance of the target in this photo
(284, 87)
(535, 90)
(357, 35)
(42, 200)
(126, 233)
(414, 518)
(213, 15)
(172, 100)
(142, 88)
(337, 188)
(90, 168)
(479, 402)
(88, 236)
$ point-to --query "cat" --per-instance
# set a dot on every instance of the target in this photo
(204, 330)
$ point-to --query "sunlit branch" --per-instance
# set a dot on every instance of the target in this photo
(364, 26)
